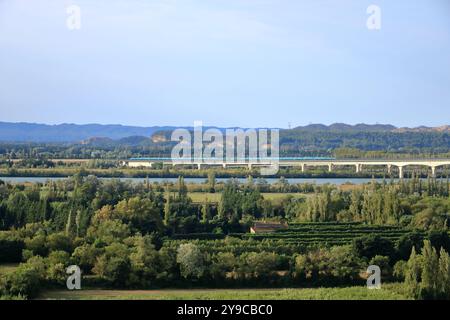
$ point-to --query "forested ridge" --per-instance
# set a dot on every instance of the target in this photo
(303, 141)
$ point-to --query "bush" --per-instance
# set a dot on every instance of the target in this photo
(400, 269)
(329, 266)
(407, 242)
(383, 263)
(191, 260)
(114, 265)
(37, 244)
(439, 239)
(59, 242)
(85, 256)
(371, 246)
(26, 280)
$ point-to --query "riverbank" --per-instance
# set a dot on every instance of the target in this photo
(270, 181)
(187, 173)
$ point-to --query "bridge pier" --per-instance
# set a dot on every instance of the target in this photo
(400, 172)
(331, 164)
(433, 171)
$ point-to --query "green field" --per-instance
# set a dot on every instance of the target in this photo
(215, 197)
(329, 233)
(388, 292)
(6, 268)
(304, 234)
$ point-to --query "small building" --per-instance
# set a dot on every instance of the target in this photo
(263, 227)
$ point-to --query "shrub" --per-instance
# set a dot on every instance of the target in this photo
(439, 239)
(114, 265)
(372, 245)
(191, 261)
(407, 242)
(383, 263)
(59, 242)
(26, 280)
(399, 270)
(337, 264)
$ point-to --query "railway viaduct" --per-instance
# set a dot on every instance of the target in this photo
(304, 163)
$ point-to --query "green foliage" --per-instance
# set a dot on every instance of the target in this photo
(337, 264)
(108, 231)
(427, 274)
(154, 235)
(234, 202)
(191, 261)
(144, 260)
(258, 264)
(140, 214)
(85, 256)
(407, 242)
(400, 269)
(57, 262)
(59, 241)
(439, 239)
(25, 281)
(114, 265)
(222, 263)
(384, 263)
(370, 246)
(37, 245)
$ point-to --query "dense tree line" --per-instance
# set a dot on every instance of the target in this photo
(298, 140)
(124, 235)
(413, 202)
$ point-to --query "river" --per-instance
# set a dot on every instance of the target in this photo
(337, 181)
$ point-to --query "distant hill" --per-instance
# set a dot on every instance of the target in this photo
(424, 129)
(97, 141)
(342, 127)
(97, 134)
(32, 132)
(135, 140)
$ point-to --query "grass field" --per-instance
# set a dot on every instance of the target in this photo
(6, 268)
(388, 292)
(215, 197)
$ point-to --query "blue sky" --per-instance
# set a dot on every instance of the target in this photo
(243, 63)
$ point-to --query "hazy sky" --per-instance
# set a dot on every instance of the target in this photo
(226, 62)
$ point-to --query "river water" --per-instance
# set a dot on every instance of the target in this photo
(337, 181)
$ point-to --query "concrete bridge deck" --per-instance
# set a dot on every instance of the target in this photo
(304, 163)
